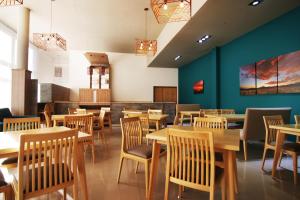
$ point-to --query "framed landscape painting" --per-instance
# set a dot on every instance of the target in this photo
(247, 80)
(198, 87)
(289, 73)
(266, 76)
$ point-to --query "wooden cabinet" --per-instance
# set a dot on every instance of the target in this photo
(94, 95)
(164, 94)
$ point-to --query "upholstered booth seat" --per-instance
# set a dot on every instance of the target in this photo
(254, 128)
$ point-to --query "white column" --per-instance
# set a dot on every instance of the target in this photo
(23, 38)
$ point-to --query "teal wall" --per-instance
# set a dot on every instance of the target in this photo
(188, 75)
(277, 37)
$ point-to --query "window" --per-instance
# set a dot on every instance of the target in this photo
(6, 63)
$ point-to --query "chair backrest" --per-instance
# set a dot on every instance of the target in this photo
(191, 159)
(83, 123)
(227, 111)
(155, 111)
(106, 109)
(48, 119)
(210, 112)
(49, 107)
(297, 119)
(72, 111)
(272, 133)
(210, 122)
(20, 124)
(49, 164)
(81, 111)
(187, 107)
(254, 128)
(131, 133)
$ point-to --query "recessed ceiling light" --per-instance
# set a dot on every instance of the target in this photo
(177, 58)
(204, 39)
(255, 2)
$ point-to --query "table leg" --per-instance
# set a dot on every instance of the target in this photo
(153, 169)
(54, 123)
(229, 174)
(157, 124)
(81, 170)
(279, 141)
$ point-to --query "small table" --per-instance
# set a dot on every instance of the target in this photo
(226, 140)
(229, 117)
(10, 148)
(291, 129)
(158, 119)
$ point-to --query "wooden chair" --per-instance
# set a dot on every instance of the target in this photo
(82, 123)
(155, 111)
(72, 111)
(191, 162)
(290, 148)
(99, 125)
(48, 119)
(132, 146)
(80, 111)
(210, 122)
(210, 112)
(20, 124)
(42, 176)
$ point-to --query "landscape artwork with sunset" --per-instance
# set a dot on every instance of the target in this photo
(266, 76)
(289, 73)
(198, 87)
(247, 80)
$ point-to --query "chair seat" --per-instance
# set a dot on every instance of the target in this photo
(59, 181)
(2, 180)
(14, 160)
(144, 151)
(293, 146)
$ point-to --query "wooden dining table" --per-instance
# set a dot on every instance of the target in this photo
(158, 119)
(10, 144)
(226, 140)
(282, 130)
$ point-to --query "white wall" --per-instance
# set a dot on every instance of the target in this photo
(131, 79)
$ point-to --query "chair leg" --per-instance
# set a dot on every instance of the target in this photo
(295, 166)
(65, 193)
(167, 186)
(93, 153)
(180, 190)
(223, 188)
(136, 167)
(245, 150)
(280, 158)
(264, 159)
(147, 176)
(120, 168)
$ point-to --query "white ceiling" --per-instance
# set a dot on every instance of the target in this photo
(225, 20)
(99, 25)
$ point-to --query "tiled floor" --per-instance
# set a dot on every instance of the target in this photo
(253, 183)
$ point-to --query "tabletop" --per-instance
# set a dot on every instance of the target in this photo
(191, 112)
(227, 139)
(10, 140)
(229, 116)
(287, 127)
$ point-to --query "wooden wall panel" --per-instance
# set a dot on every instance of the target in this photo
(164, 94)
(87, 95)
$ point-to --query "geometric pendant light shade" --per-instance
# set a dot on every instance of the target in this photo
(10, 2)
(167, 11)
(49, 40)
(145, 46)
